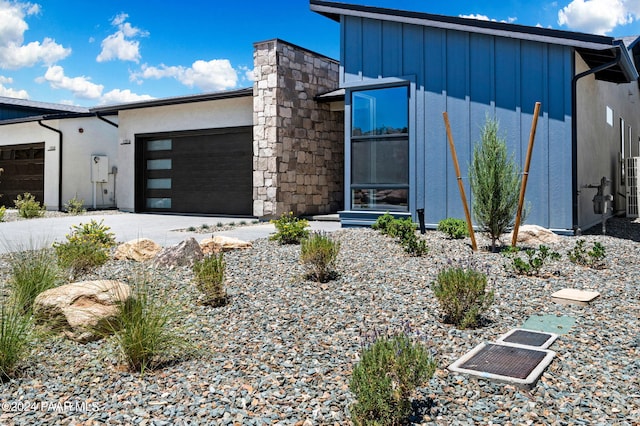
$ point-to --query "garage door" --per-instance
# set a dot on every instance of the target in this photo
(199, 173)
(23, 172)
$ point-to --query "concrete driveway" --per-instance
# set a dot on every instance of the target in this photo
(41, 232)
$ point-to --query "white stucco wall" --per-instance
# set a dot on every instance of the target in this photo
(599, 142)
(97, 138)
(171, 118)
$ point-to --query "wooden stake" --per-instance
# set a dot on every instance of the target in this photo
(474, 246)
(525, 175)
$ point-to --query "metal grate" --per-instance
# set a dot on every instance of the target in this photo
(506, 361)
(633, 186)
(527, 337)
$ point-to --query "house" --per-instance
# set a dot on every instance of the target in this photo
(400, 70)
(258, 151)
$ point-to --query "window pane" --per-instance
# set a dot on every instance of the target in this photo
(380, 199)
(164, 183)
(158, 203)
(159, 145)
(162, 164)
(380, 161)
(380, 112)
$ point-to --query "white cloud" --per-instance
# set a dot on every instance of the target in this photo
(81, 87)
(486, 18)
(121, 44)
(216, 74)
(248, 73)
(598, 16)
(9, 92)
(14, 53)
(117, 96)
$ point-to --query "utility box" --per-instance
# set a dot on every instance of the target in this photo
(99, 168)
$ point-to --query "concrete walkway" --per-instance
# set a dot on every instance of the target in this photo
(41, 232)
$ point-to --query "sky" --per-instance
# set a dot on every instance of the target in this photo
(91, 53)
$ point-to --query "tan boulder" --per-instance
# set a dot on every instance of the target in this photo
(221, 243)
(184, 253)
(82, 310)
(140, 249)
(534, 235)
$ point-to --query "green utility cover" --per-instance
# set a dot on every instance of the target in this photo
(549, 323)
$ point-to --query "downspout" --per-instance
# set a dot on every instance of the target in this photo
(60, 136)
(574, 135)
(105, 120)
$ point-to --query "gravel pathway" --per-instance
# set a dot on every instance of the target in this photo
(282, 351)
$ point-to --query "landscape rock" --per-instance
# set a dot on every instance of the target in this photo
(140, 250)
(221, 243)
(534, 235)
(184, 253)
(82, 310)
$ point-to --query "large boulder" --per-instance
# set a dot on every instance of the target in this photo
(140, 250)
(534, 235)
(83, 311)
(181, 254)
(221, 243)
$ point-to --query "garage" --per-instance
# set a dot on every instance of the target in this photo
(23, 167)
(197, 172)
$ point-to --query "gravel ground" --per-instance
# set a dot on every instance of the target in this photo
(282, 350)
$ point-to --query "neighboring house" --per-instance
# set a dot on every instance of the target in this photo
(48, 150)
(260, 151)
(401, 70)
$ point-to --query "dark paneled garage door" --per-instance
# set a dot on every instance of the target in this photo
(201, 173)
(23, 172)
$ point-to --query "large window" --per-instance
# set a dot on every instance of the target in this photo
(380, 149)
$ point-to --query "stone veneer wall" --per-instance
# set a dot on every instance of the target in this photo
(298, 143)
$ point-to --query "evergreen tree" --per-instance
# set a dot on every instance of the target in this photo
(495, 183)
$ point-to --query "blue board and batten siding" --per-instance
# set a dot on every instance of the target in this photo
(471, 76)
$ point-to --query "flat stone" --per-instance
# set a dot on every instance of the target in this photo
(558, 324)
(574, 296)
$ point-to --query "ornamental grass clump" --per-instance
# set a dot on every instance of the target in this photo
(383, 381)
(31, 272)
(290, 229)
(28, 207)
(318, 254)
(462, 295)
(209, 274)
(87, 246)
(15, 337)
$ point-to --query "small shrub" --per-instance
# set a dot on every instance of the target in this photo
(454, 228)
(414, 246)
(462, 295)
(382, 223)
(87, 246)
(15, 336)
(243, 222)
(219, 224)
(144, 329)
(205, 226)
(290, 229)
(404, 230)
(534, 261)
(28, 207)
(209, 277)
(3, 210)
(319, 253)
(75, 206)
(31, 273)
(388, 373)
(191, 229)
(593, 258)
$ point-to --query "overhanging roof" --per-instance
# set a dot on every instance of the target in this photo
(43, 106)
(595, 49)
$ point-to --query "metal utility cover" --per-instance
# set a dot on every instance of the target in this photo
(520, 336)
(549, 323)
(516, 364)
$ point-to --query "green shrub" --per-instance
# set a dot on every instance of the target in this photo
(28, 207)
(15, 336)
(144, 329)
(191, 229)
(219, 224)
(404, 230)
(495, 183)
(31, 273)
(593, 258)
(318, 253)
(3, 210)
(454, 228)
(462, 296)
(75, 206)
(382, 223)
(87, 246)
(387, 374)
(209, 278)
(533, 262)
(204, 226)
(290, 229)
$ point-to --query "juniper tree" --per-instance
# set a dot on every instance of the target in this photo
(495, 183)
